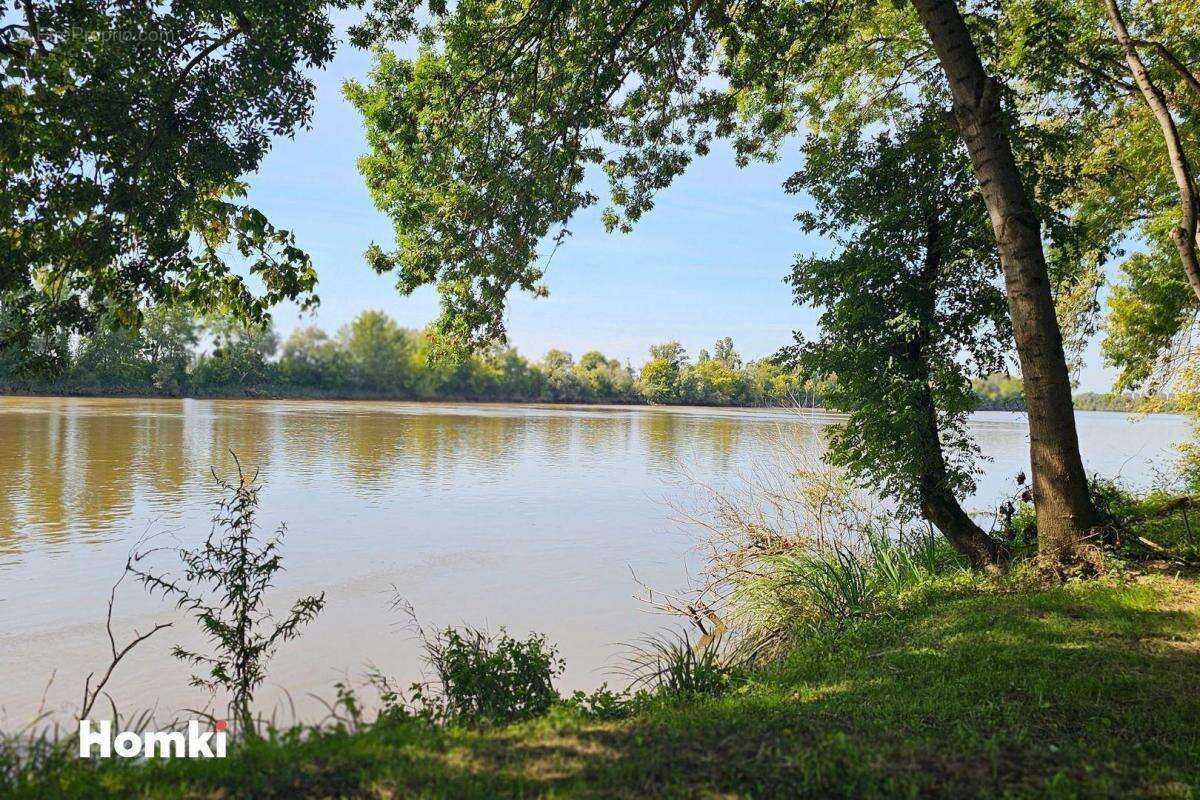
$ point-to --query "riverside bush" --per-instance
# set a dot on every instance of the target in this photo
(487, 679)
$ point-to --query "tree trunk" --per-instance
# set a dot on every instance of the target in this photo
(941, 507)
(1064, 510)
(1185, 234)
(937, 500)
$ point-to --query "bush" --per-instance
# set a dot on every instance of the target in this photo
(486, 679)
(1154, 524)
(605, 705)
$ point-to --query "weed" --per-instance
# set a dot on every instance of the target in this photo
(224, 585)
(671, 664)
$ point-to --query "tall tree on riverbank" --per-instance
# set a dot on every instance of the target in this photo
(1132, 66)
(1064, 509)
(480, 145)
(912, 311)
(1185, 235)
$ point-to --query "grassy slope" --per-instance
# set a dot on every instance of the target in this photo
(1085, 690)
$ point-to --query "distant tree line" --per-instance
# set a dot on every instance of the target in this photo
(1000, 392)
(373, 356)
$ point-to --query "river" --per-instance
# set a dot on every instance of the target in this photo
(531, 517)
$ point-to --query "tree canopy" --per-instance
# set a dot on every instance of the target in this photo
(128, 128)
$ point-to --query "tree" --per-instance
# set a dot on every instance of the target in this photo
(724, 353)
(379, 351)
(111, 356)
(604, 378)
(240, 356)
(911, 312)
(1064, 509)
(1186, 234)
(127, 128)
(1127, 65)
(711, 381)
(169, 334)
(662, 376)
(310, 358)
(479, 147)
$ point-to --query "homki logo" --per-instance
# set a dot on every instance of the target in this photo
(164, 744)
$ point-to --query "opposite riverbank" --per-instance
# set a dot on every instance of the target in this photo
(1088, 401)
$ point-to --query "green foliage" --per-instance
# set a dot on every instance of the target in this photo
(480, 144)
(661, 376)
(224, 587)
(604, 705)
(379, 352)
(169, 334)
(910, 304)
(1158, 524)
(371, 357)
(672, 665)
(128, 128)
(240, 356)
(836, 584)
(1018, 690)
(1004, 392)
(999, 392)
(1124, 188)
(486, 679)
(309, 357)
(1150, 308)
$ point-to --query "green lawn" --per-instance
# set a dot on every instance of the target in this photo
(1088, 690)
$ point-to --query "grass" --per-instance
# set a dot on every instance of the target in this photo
(966, 688)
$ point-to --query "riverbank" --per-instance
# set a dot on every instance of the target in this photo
(1087, 402)
(309, 393)
(970, 688)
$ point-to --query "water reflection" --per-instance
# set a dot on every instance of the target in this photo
(76, 470)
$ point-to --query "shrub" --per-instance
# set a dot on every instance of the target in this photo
(1156, 524)
(224, 587)
(483, 679)
(604, 705)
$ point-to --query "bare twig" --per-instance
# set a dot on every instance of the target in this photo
(92, 693)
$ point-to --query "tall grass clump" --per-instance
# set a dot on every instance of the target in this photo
(672, 664)
(796, 549)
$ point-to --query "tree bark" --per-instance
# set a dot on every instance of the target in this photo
(1064, 510)
(940, 506)
(1185, 234)
(942, 509)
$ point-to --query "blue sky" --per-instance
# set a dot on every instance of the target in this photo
(708, 261)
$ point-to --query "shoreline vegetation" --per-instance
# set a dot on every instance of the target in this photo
(844, 652)
(373, 358)
(1085, 401)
